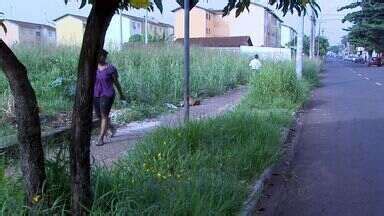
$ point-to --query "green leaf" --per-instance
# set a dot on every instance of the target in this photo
(192, 3)
(2, 25)
(159, 5)
(83, 3)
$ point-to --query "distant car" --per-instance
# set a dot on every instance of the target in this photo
(359, 60)
(375, 61)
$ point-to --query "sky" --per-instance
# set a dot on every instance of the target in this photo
(44, 11)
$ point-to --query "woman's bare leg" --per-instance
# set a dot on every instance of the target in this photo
(111, 128)
(103, 130)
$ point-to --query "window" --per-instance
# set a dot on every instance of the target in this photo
(38, 34)
(208, 16)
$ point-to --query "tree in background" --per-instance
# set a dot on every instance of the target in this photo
(368, 24)
(336, 49)
(28, 122)
(324, 45)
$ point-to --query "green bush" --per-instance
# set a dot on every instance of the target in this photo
(311, 72)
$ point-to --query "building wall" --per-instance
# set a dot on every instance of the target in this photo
(272, 34)
(286, 36)
(113, 37)
(207, 24)
(248, 24)
(198, 23)
(38, 35)
(221, 27)
(69, 31)
(12, 36)
(49, 36)
(169, 33)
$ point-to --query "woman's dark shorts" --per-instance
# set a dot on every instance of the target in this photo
(103, 106)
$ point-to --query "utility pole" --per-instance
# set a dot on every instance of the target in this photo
(186, 61)
(146, 28)
(121, 30)
(299, 53)
(318, 40)
(313, 37)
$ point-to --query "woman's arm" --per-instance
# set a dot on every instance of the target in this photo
(118, 86)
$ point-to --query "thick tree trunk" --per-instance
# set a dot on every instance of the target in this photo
(28, 122)
(97, 25)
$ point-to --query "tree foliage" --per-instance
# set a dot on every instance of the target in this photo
(299, 6)
(368, 24)
(2, 25)
(324, 45)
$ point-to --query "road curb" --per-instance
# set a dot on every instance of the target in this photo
(290, 138)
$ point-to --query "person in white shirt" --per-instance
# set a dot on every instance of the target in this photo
(255, 63)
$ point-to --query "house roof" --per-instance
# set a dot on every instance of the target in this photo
(29, 24)
(219, 41)
(138, 19)
(82, 18)
(203, 8)
(216, 11)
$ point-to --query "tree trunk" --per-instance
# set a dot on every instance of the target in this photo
(93, 41)
(28, 122)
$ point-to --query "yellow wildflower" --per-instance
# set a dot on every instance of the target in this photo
(36, 199)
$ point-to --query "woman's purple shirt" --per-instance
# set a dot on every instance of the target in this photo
(104, 82)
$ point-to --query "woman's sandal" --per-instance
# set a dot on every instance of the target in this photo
(100, 143)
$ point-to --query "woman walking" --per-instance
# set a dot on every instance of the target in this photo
(104, 94)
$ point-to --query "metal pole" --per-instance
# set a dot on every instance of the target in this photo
(121, 29)
(299, 53)
(313, 37)
(186, 61)
(146, 28)
(318, 41)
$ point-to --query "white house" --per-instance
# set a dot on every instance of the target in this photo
(20, 32)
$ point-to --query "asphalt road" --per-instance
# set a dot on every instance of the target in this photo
(338, 168)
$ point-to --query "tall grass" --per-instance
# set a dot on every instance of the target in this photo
(277, 87)
(201, 168)
(150, 76)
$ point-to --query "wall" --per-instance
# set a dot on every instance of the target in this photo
(48, 36)
(12, 36)
(272, 32)
(198, 23)
(112, 37)
(268, 53)
(286, 36)
(248, 24)
(221, 27)
(69, 31)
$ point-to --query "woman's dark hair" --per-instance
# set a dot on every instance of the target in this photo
(256, 56)
(104, 53)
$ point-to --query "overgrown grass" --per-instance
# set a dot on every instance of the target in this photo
(150, 76)
(202, 168)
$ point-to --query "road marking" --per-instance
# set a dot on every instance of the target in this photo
(379, 84)
(366, 78)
